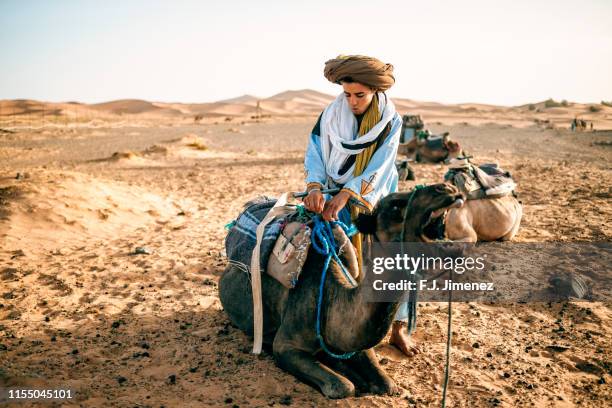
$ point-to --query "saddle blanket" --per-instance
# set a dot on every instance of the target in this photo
(241, 238)
(435, 142)
(285, 241)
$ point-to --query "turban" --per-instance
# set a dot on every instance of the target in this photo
(365, 70)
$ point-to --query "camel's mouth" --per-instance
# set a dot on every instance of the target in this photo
(433, 227)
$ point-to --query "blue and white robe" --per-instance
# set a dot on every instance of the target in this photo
(379, 178)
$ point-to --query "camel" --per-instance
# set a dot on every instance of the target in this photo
(349, 323)
(485, 219)
(432, 148)
(404, 170)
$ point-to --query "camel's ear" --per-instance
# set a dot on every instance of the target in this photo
(366, 223)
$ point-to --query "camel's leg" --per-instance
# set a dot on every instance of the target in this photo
(304, 366)
(517, 223)
(342, 367)
(236, 298)
(458, 226)
(366, 365)
(364, 372)
(234, 289)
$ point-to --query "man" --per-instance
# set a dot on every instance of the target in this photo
(353, 147)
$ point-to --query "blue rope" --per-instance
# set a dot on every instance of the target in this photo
(324, 243)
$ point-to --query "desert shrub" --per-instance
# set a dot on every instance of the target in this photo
(564, 103)
(198, 146)
(608, 104)
(124, 155)
(551, 103)
(531, 107)
(594, 108)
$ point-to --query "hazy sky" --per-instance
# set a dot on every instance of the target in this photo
(504, 52)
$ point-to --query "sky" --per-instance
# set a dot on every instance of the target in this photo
(504, 52)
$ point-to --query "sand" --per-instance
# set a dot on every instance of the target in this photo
(79, 308)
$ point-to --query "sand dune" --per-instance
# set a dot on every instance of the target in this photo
(243, 99)
(188, 147)
(58, 209)
(229, 109)
(306, 96)
(292, 103)
(135, 106)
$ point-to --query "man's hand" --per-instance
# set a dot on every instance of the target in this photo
(314, 201)
(333, 206)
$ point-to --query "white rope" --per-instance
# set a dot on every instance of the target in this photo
(277, 209)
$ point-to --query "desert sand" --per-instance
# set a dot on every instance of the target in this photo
(111, 246)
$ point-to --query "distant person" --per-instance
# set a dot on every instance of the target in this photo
(591, 126)
(353, 146)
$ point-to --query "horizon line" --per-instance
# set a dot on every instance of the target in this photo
(285, 91)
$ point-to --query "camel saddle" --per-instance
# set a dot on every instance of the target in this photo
(432, 142)
(477, 182)
(285, 242)
(291, 249)
(435, 142)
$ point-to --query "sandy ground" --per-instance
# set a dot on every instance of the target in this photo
(79, 309)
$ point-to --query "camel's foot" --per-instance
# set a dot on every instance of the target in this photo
(365, 364)
(386, 386)
(364, 372)
(305, 367)
(343, 368)
(402, 340)
(341, 388)
(390, 389)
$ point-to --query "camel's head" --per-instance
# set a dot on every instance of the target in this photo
(454, 149)
(428, 206)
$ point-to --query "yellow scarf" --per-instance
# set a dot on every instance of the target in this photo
(370, 119)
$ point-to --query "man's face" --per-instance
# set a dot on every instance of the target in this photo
(358, 96)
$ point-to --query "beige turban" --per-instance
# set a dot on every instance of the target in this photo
(365, 70)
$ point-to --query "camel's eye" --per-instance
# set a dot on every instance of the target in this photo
(393, 210)
(441, 189)
(395, 213)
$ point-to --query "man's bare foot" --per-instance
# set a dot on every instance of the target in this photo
(401, 339)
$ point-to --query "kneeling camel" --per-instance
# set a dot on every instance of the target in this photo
(348, 323)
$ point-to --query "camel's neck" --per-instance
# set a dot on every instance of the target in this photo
(354, 322)
(412, 231)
